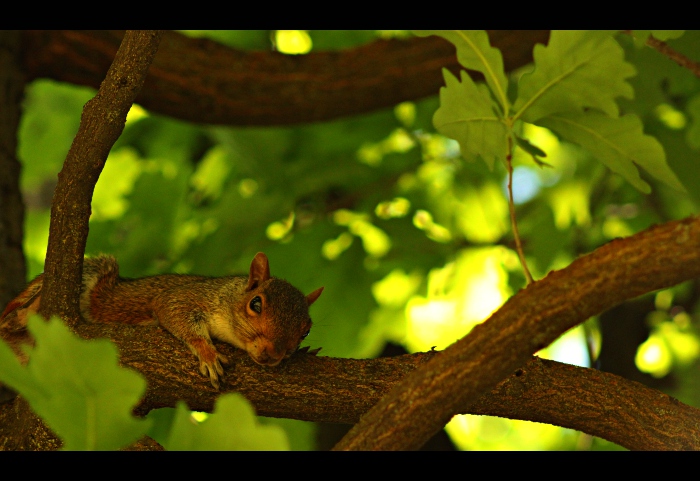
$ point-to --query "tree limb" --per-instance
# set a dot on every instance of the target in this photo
(202, 81)
(101, 125)
(342, 390)
(424, 401)
(12, 82)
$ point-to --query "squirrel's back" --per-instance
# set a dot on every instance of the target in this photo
(107, 297)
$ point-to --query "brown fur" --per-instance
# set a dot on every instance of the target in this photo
(194, 309)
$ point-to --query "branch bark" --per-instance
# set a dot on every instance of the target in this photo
(424, 401)
(12, 82)
(203, 81)
(101, 125)
(345, 390)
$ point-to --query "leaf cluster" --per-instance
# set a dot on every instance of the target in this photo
(572, 90)
(86, 398)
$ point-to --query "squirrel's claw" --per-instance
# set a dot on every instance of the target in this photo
(211, 370)
(209, 362)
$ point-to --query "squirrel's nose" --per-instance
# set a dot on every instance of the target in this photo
(268, 358)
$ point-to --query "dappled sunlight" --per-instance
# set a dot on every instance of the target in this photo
(279, 230)
(482, 213)
(374, 240)
(292, 42)
(136, 113)
(470, 432)
(122, 169)
(460, 295)
(671, 117)
(570, 203)
(396, 288)
(653, 357)
(570, 348)
(398, 207)
(212, 172)
(399, 141)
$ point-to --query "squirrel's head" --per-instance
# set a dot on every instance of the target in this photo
(277, 314)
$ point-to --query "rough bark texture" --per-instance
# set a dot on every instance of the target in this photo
(12, 265)
(101, 125)
(203, 81)
(342, 390)
(423, 402)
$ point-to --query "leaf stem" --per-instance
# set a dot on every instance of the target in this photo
(511, 207)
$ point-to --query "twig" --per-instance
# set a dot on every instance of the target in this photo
(511, 207)
(679, 58)
(664, 49)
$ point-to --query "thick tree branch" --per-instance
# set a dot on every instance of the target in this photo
(101, 125)
(324, 389)
(424, 401)
(341, 390)
(203, 81)
(12, 269)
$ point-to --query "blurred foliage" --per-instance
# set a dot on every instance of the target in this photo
(412, 243)
(79, 389)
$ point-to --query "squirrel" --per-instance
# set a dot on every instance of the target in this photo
(263, 315)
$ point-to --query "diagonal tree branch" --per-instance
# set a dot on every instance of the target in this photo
(424, 401)
(341, 390)
(203, 81)
(101, 125)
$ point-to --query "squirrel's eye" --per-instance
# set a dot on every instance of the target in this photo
(256, 304)
(303, 336)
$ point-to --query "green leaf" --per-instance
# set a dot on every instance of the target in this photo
(533, 150)
(664, 35)
(575, 71)
(232, 426)
(467, 115)
(619, 143)
(475, 52)
(13, 374)
(78, 388)
(641, 36)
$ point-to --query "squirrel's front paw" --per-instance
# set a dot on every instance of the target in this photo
(209, 361)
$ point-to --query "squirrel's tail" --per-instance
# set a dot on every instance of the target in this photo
(28, 299)
(101, 269)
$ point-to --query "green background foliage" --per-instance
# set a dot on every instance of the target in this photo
(410, 238)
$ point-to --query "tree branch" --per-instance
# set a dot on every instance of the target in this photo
(202, 81)
(341, 390)
(424, 401)
(12, 82)
(324, 389)
(101, 125)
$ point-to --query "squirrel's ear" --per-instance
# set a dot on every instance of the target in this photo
(313, 296)
(259, 271)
